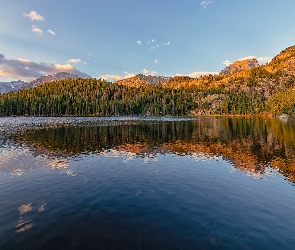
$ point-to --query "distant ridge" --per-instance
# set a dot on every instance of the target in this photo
(6, 87)
(50, 78)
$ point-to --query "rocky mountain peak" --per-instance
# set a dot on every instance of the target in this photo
(143, 80)
(153, 79)
(240, 66)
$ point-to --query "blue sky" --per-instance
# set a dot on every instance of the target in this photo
(120, 38)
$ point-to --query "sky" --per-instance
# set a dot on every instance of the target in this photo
(115, 39)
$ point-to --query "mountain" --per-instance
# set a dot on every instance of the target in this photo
(284, 62)
(153, 79)
(50, 78)
(185, 81)
(143, 80)
(240, 66)
(6, 87)
(243, 88)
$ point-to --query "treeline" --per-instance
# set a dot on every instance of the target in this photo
(92, 97)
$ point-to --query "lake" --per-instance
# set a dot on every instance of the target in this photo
(147, 183)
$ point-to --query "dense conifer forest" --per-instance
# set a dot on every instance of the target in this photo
(92, 97)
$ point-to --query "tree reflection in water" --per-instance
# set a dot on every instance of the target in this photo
(250, 144)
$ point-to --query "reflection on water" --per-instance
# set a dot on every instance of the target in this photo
(150, 184)
(249, 144)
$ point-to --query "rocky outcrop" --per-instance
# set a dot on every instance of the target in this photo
(143, 80)
(133, 82)
(153, 79)
(240, 66)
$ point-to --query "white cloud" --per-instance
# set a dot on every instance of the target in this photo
(247, 58)
(151, 41)
(37, 30)
(24, 60)
(63, 67)
(138, 42)
(74, 60)
(52, 32)
(205, 3)
(148, 72)
(115, 78)
(168, 43)
(34, 16)
(152, 48)
(157, 61)
(85, 63)
(263, 60)
(227, 62)
(90, 54)
(198, 74)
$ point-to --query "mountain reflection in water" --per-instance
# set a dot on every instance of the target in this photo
(250, 144)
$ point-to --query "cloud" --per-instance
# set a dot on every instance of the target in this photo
(34, 16)
(227, 62)
(151, 41)
(247, 58)
(24, 60)
(198, 74)
(139, 42)
(205, 3)
(264, 60)
(74, 60)
(148, 72)
(52, 32)
(115, 78)
(157, 61)
(168, 43)
(29, 70)
(64, 67)
(37, 30)
(261, 60)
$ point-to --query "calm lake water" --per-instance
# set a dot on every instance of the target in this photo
(147, 183)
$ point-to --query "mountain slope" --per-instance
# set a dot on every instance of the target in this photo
(6, 87)
(50, 78)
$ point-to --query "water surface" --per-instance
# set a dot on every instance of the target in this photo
(147, 183)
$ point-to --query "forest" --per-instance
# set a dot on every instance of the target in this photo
(96, 97)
